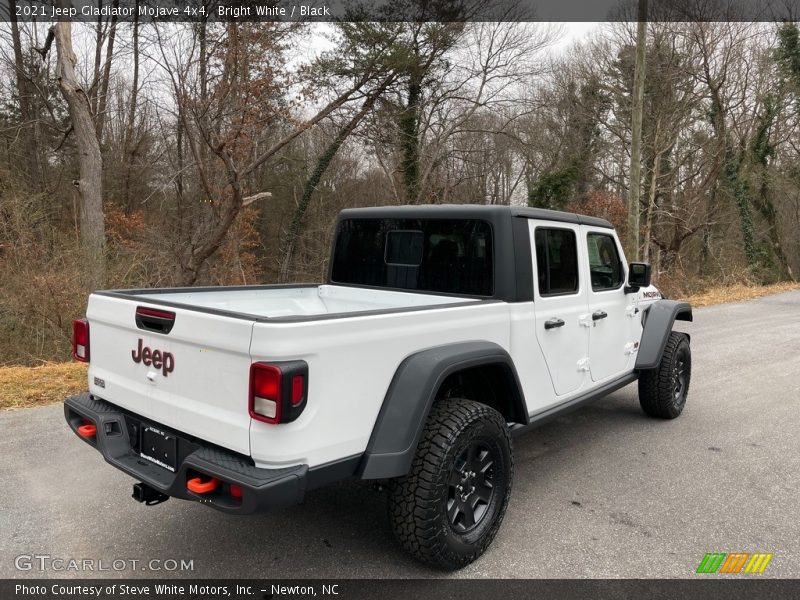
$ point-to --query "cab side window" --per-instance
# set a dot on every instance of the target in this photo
(556, 261)
(605, 265)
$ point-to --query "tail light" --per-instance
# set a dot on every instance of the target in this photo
(80, 340)
(278, 391)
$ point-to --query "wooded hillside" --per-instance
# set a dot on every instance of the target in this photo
(159, 155)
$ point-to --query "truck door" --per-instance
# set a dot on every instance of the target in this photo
(560, 303)
(611, 333)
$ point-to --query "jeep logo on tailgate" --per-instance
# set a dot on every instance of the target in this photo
(158, 359)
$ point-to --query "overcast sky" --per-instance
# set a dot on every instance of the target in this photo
(572, 32)
(576, 32)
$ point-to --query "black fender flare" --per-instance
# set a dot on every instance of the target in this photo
(658, 320)
(411, 394)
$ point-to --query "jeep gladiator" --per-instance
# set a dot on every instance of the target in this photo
(441, 332)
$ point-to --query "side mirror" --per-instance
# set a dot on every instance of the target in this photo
(638, 277)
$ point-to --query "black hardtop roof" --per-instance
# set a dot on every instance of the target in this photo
(469, 211)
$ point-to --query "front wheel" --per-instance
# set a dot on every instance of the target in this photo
(663, 390)
(448, 508)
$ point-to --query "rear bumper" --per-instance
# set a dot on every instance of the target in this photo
(116, 438)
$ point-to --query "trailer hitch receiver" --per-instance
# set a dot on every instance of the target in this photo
(150, 496)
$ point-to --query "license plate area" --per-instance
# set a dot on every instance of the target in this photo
(158, 447)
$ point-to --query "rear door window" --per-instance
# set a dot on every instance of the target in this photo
(556, 261)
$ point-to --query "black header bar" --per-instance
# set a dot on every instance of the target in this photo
(702, 588)
(175, 11)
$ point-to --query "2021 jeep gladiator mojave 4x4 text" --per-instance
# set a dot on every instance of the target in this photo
(442, 332)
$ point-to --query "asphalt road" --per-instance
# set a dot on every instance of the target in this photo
(602, 492)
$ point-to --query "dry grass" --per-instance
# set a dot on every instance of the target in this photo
(24, 387)
(738, 293)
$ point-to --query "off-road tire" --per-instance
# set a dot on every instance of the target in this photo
(422, 506)
(663, 390)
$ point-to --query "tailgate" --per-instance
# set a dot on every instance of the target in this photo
(196, 384)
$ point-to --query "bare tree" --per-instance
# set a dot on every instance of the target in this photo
(128, 145)
(635, 185)
(101, 86)
(225, 126)
(26, 93)
(90, 164)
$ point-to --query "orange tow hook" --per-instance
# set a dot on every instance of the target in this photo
(198, 486)
(87, 430)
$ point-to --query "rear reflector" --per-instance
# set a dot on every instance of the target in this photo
(80, 340)
(298, 386)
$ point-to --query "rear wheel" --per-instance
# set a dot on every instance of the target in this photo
(447, 510)
(663, 390)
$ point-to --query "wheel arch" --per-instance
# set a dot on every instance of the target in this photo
(419, 381)
(658, 320)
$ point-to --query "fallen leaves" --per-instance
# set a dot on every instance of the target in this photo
(738, 293)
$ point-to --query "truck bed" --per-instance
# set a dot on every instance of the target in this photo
(215, 335)
(298, 302)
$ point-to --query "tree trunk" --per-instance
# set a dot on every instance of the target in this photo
(89, 159)
(738, 188)
(636, 134)
(203, 40)
(760, 150)
(127, 149)
(25, 90)
(102, 100)
(409, 130)
(651, 207)
(179, 128)
(765, 206)
(98, 58)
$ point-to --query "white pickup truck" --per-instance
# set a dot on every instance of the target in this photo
(442, 331)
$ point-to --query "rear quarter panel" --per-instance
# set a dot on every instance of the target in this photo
(351, 364)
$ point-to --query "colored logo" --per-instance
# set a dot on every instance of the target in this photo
(736, 562)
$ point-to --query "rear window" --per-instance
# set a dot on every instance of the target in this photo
(452, 256)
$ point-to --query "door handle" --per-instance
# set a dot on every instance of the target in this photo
(553, 323)
(599, 314)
